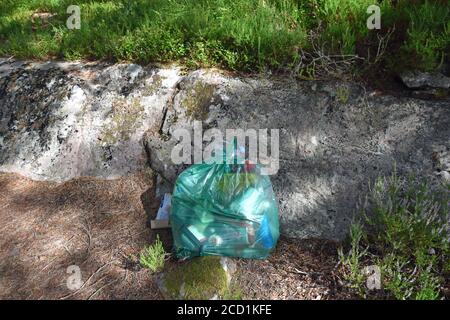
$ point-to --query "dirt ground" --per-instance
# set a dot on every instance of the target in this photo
(101, 226)
(298, 269)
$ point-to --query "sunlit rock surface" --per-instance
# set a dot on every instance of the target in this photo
(64, 120)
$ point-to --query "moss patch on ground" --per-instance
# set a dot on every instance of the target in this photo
(198, 279)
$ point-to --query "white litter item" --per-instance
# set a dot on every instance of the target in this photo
(164, 208)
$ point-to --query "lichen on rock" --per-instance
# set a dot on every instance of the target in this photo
(62, 120)
(123, 121)
(197, 100)
(154, 85)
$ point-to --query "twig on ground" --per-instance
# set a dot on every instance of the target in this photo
(101, 288)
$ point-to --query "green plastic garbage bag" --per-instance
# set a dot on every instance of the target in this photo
(224, 209)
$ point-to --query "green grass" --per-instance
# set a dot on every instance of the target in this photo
(238, 35)
(153, 257)
(406, 235)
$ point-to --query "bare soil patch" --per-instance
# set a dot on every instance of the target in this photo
(298, 269)
(98, 225)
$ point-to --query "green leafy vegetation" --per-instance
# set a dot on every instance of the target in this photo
(237, 35)
(153, 257)
(406, 235)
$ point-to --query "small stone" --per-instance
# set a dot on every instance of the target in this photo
(417, 80)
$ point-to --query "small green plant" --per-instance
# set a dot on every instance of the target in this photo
(153, 257)
(342, 94)
(406, 235)
(352, 260)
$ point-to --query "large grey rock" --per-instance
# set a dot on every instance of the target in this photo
(335, 139)
(64, 120)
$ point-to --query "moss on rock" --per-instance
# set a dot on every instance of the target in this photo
(198, 279)
(198, 100)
